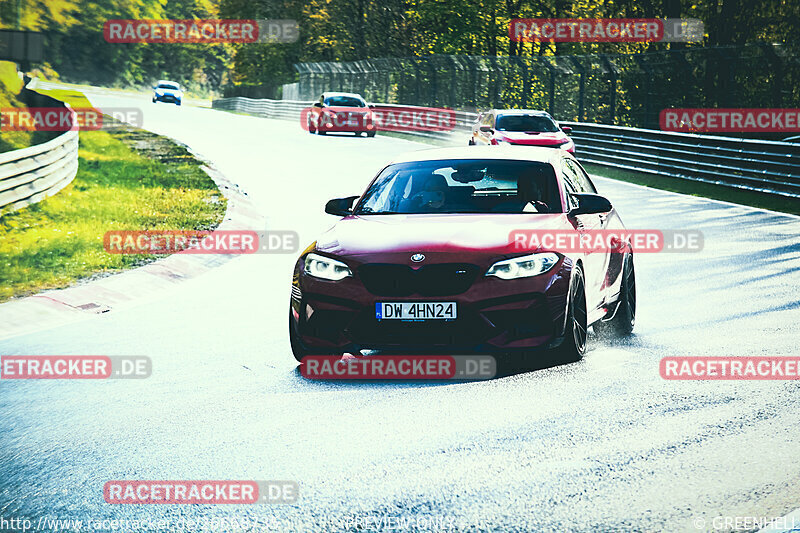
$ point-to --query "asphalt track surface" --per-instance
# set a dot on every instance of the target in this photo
(604, 444)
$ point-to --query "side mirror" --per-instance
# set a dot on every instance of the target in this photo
(317, 104)
(486, 129)
(590, 204)
(340, 206)
(371, 106)
(566, 129)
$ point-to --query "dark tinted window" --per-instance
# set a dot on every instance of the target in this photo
(173, 86)
(583, 177)
(344, 101)
(538, 123)
(578, 176)
(463, 186)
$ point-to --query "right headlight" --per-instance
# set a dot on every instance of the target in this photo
(523, 267)
(326, 268)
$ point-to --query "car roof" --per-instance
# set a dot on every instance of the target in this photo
(167, 81)
(354, 95)
(515, 153)
(520, 112)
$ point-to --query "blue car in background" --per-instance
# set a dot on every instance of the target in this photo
(167, 91)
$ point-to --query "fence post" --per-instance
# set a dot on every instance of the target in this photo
(612, 92)
(581, 86)
(778, 68)
(552, 91)
(648, 76)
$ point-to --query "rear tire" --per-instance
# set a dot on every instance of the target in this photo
(574, 346)
(621, 325)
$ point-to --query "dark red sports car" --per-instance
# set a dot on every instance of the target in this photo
(424, 260)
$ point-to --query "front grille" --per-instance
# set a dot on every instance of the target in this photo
(442, 279)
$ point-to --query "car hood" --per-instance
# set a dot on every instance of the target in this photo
(533, 139)
(168, 91)
(377, 237)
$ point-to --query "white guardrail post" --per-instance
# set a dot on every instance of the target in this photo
(32, 174)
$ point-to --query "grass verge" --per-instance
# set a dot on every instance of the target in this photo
(128, 179)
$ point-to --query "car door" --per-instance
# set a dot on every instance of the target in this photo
(595, 261)
(608, 222)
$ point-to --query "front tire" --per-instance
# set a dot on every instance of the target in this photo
(471, 142)
(574, 346)
(621, 324)
(370, 134)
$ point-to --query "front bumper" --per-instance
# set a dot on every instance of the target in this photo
(168, 98)
(493, 314)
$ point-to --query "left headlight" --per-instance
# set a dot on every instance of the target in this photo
(326, 268)
(523, 267)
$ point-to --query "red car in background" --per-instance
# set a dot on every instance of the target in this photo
(340, 112)
(520, 127)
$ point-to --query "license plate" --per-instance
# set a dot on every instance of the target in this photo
(415, 310)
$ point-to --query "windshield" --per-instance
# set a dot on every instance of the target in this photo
(537, 123)
(344, 101)
(463, 186)
(173, 86)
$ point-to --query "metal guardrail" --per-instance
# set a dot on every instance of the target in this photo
(32, 174)
(764, 166)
